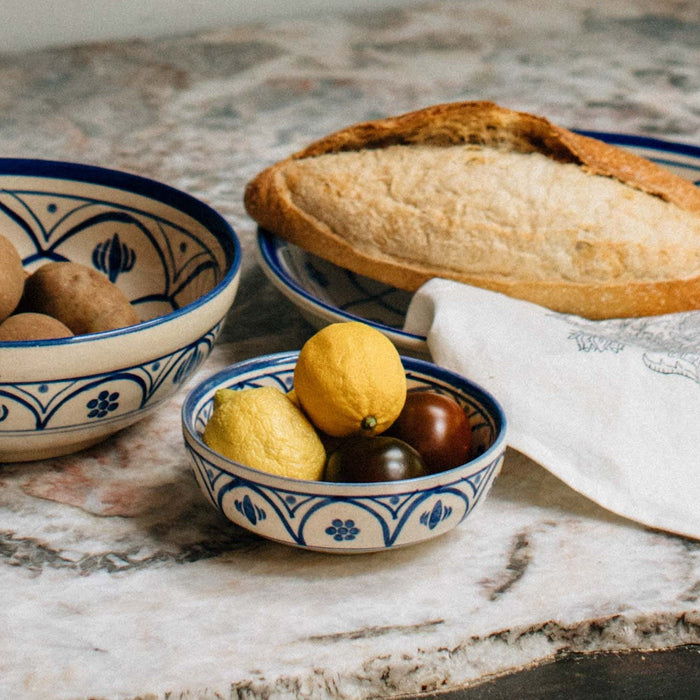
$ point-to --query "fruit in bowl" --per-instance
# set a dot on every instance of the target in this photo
(349, 384)
(349, 380)
(171, 258)
(353, 505)
(262, 428)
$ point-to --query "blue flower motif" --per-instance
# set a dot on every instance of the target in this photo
(113, 257)
(104, 403)
(340, 530)
(432, 518)
(252, 512)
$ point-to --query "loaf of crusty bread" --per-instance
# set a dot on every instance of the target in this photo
(493, 198)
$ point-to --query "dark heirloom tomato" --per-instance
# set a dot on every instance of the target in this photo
(373, 458)
(437, 427)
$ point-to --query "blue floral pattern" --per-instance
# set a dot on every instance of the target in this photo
(294, 510)
(252, 512)
(368, 517)
(113, 257)
(105, 403)
(47, 400)
(341, 530)
(432, 518)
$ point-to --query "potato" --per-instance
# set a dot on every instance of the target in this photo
(29, 326)
(81, 298)
(11, 278)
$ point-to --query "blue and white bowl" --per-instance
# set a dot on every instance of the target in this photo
(338, 517)
(177, 260)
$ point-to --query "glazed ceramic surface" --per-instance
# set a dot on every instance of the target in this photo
(176, 259)
(326, 293)
(335, 517)
(119, 580)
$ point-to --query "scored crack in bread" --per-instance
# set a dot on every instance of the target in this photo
(494, 198)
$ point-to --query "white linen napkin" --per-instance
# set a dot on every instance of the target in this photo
(610, 407)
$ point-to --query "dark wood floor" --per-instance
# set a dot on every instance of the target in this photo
(664, 675)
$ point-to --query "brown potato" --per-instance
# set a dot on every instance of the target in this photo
(78, 296)
(11, 278)
(29, 326)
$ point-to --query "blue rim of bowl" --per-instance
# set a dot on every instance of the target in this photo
(268, 242)
(197, 394)
(268, 248)
(146, 187)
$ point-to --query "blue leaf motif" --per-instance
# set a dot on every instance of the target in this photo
(249, 511)
(432, 518)
(187, 367)
(252, 512)
(435, 515)
(113, 257)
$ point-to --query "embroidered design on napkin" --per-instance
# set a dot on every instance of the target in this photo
(671, 343)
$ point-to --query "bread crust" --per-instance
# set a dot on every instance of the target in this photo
(269, 202)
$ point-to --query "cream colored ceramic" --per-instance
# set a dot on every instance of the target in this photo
(345, 518)
(177, 260)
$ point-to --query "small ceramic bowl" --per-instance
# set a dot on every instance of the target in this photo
(339, 517)
(178, 262)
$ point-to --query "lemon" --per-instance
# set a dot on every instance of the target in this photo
(349, 380)
(261, 428)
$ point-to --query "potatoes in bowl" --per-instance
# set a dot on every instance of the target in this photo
(174, 258)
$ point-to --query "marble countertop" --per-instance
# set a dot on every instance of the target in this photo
(118, 579)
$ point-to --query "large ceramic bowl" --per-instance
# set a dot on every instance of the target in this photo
(337, 517)
(178, 262)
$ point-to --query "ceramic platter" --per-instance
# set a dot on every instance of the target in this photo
(325, 293)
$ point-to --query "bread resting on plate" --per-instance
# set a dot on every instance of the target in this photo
(493, 198)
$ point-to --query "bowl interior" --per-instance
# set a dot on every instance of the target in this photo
(163, 248)
(485, 414)
(340, 517)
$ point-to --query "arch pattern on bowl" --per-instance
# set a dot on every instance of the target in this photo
(397, 518)
(114, 232)
(345, 517)
(110, 396)
(176, 259)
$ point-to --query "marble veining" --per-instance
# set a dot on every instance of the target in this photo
(120, 581)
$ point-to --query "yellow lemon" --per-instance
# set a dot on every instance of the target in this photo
(349, 380)
(261, 428)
